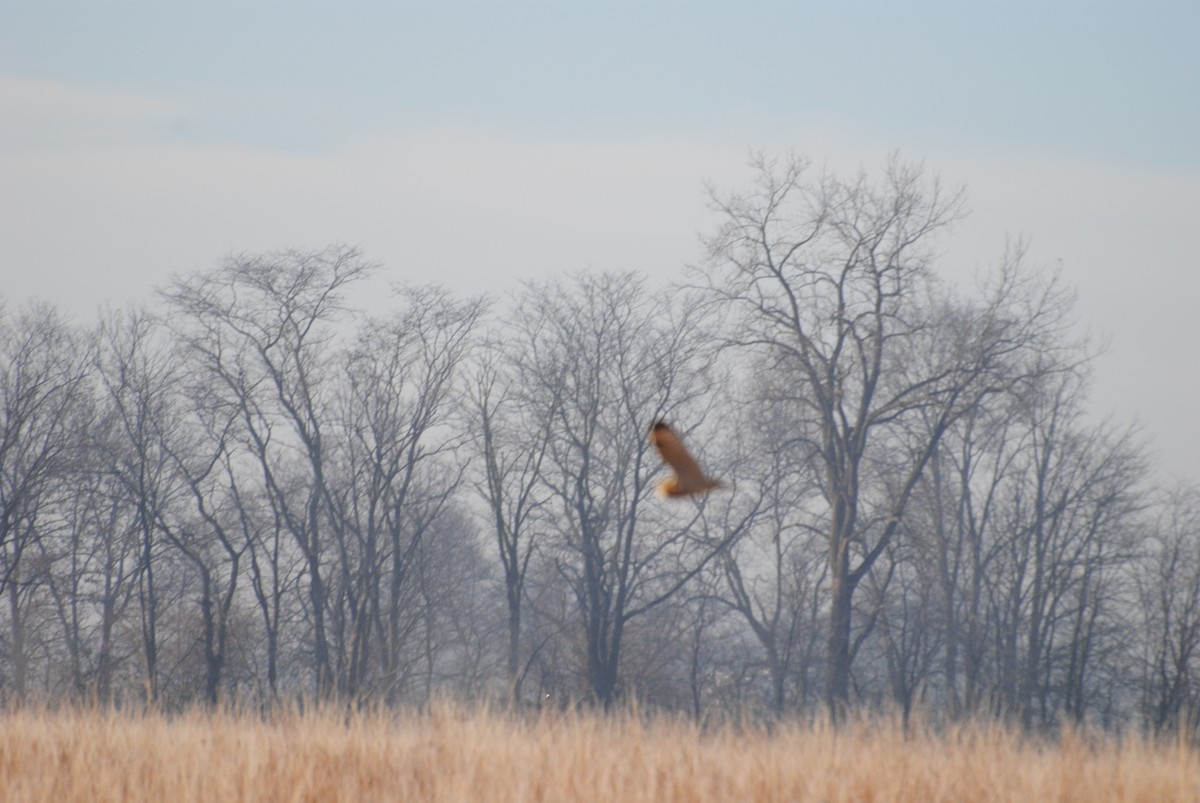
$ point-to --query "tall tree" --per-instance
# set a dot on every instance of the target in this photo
(1069, 513)
(44, 404)
(512, 439)
(257, 331)
(397, 467)
(604, 357)
(832, 280)
(138, 379)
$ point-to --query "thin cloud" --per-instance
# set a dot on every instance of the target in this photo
(41, 114)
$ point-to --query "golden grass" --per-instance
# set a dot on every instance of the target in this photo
(457, 755)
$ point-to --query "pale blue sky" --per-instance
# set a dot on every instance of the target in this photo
(1112, 80)
(479, 143)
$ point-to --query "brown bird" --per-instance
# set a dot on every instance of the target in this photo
(688, 478)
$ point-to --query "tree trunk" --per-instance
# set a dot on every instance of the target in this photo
(837, 662)
(514, 646)
(20, 661)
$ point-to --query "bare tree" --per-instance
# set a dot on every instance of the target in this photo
(396, 468)
(512, 441)
(832, 278)
(1067, 516)
(215, 535)
(138, 379)
(604, 358)
(953, 526)
(1169, 597)
(44, 402)
(904, 619)
(774, 578)
(93, 580)
(258, 330)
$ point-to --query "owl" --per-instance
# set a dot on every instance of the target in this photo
(688, 478)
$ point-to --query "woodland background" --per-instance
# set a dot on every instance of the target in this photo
(248, 491)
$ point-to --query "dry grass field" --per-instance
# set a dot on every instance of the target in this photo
(456, 755)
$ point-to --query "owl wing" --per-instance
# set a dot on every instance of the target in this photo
(676, 455)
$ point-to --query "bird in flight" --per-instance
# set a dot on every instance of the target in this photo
(688, 478)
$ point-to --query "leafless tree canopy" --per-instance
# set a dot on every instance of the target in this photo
(251, 491)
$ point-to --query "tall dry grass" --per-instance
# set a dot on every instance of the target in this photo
(457, 755)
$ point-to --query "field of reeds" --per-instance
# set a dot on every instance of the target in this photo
(452, 754)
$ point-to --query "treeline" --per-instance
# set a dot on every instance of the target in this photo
(250, 491)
